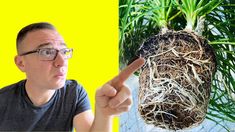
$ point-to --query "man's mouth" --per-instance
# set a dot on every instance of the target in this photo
(60, 75)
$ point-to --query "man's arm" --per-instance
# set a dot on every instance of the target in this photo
(82, 122)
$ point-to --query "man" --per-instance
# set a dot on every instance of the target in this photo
(46, 100)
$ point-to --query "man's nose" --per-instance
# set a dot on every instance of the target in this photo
(60, 60)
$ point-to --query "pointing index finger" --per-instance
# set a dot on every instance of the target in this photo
(126, 73)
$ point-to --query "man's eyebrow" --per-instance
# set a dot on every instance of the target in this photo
(46, 44)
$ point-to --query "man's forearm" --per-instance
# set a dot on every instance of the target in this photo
(102, 123)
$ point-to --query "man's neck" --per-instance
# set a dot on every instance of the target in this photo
(38, 96)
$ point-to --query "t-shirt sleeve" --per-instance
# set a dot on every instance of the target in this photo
(82, 103)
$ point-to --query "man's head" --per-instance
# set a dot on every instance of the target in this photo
(42, 55)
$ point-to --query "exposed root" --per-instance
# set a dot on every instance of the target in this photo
(175, 81)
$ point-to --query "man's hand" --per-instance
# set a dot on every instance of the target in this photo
(114, 97)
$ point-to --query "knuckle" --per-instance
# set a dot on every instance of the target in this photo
(128, 91)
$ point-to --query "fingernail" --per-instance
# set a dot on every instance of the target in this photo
(113, 92)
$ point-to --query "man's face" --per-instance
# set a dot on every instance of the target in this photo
(43, 73)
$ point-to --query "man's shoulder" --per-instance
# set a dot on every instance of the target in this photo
(10, 92)
(12, 87)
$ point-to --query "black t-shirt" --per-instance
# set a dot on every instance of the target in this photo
(18, 113)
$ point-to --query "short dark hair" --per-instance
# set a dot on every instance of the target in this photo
(29, 28)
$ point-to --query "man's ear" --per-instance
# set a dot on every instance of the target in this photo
(19, 61)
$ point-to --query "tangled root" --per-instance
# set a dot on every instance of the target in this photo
(175, 80)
